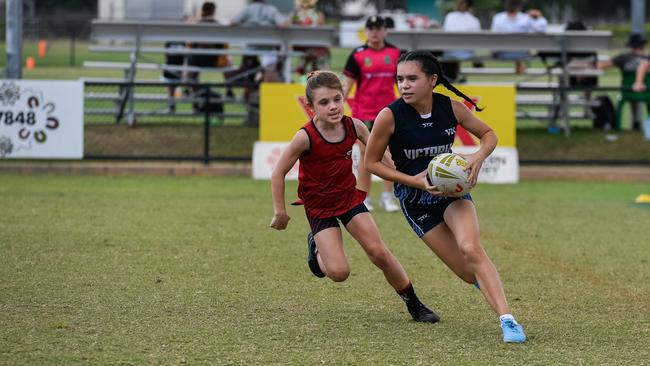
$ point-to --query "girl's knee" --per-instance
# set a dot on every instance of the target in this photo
(472, 251)
(338, 274)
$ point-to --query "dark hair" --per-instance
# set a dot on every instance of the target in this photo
(636, 40)
(430, 66)
(319, 79)
(208, 8)
(513, 5)
(576, 25)
(465, 5)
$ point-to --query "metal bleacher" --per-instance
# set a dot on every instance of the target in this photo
(144, 37)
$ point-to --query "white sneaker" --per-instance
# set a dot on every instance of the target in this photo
(387, 202)
(368, 203)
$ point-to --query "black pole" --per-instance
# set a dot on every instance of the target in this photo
(14, 39)
(206, 127)
(638, 16)
(72, 49)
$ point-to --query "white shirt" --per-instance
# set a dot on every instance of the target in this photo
(461, 21)
(259, 14)
(520, 23)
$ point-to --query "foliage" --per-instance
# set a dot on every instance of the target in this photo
(69, 6)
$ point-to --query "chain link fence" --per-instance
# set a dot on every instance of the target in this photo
(163, 121)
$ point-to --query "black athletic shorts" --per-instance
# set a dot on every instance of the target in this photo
(203, 60)
(318, 224)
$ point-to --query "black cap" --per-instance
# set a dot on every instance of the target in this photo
(389, 22)
(375, 21)
(636, 40)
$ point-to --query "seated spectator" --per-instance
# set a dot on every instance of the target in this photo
(513, 20)
(306, 14)
(173, 76)
(576, 61)
(259, 13)
(460, 20)
(208, 10)
(630, 63)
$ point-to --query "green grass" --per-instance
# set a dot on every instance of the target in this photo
(583, 144)
(162, 270)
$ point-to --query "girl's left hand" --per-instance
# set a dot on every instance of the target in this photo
(474, 167)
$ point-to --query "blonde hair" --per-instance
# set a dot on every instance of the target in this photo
(319, 79)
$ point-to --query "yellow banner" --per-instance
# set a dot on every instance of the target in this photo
(283, 111)
(499, 111)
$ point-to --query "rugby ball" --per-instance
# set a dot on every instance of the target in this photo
(446, 172)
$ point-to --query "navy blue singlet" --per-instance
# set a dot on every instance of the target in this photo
(416, 140)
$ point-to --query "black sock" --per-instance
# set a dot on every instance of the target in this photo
(408, 294)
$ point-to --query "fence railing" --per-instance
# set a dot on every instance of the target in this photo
(171, 121)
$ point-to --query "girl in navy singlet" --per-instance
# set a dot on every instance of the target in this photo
(417, 127)
(327, 189)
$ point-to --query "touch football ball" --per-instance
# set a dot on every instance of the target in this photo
(446, 172)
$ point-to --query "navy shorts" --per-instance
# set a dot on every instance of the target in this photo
(318, 224)
(423, 218)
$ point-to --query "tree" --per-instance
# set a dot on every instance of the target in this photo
(70, 6)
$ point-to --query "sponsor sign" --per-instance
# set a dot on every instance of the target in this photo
(41, 119)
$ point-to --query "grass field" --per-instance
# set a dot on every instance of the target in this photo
(160, 270)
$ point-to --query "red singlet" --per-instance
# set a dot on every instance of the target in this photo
(326, 184)
(375, 72)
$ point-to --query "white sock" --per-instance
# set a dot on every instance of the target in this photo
(505, 317)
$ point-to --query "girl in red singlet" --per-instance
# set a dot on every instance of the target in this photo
(327, 189)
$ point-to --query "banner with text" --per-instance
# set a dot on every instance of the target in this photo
(41, 119)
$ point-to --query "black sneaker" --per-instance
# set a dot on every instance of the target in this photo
(311, 257)
(421, 313)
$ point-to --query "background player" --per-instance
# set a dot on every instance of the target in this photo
(372, 68)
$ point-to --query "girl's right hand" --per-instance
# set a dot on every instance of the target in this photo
(280, 221)
(423, 184)
(638, 87)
